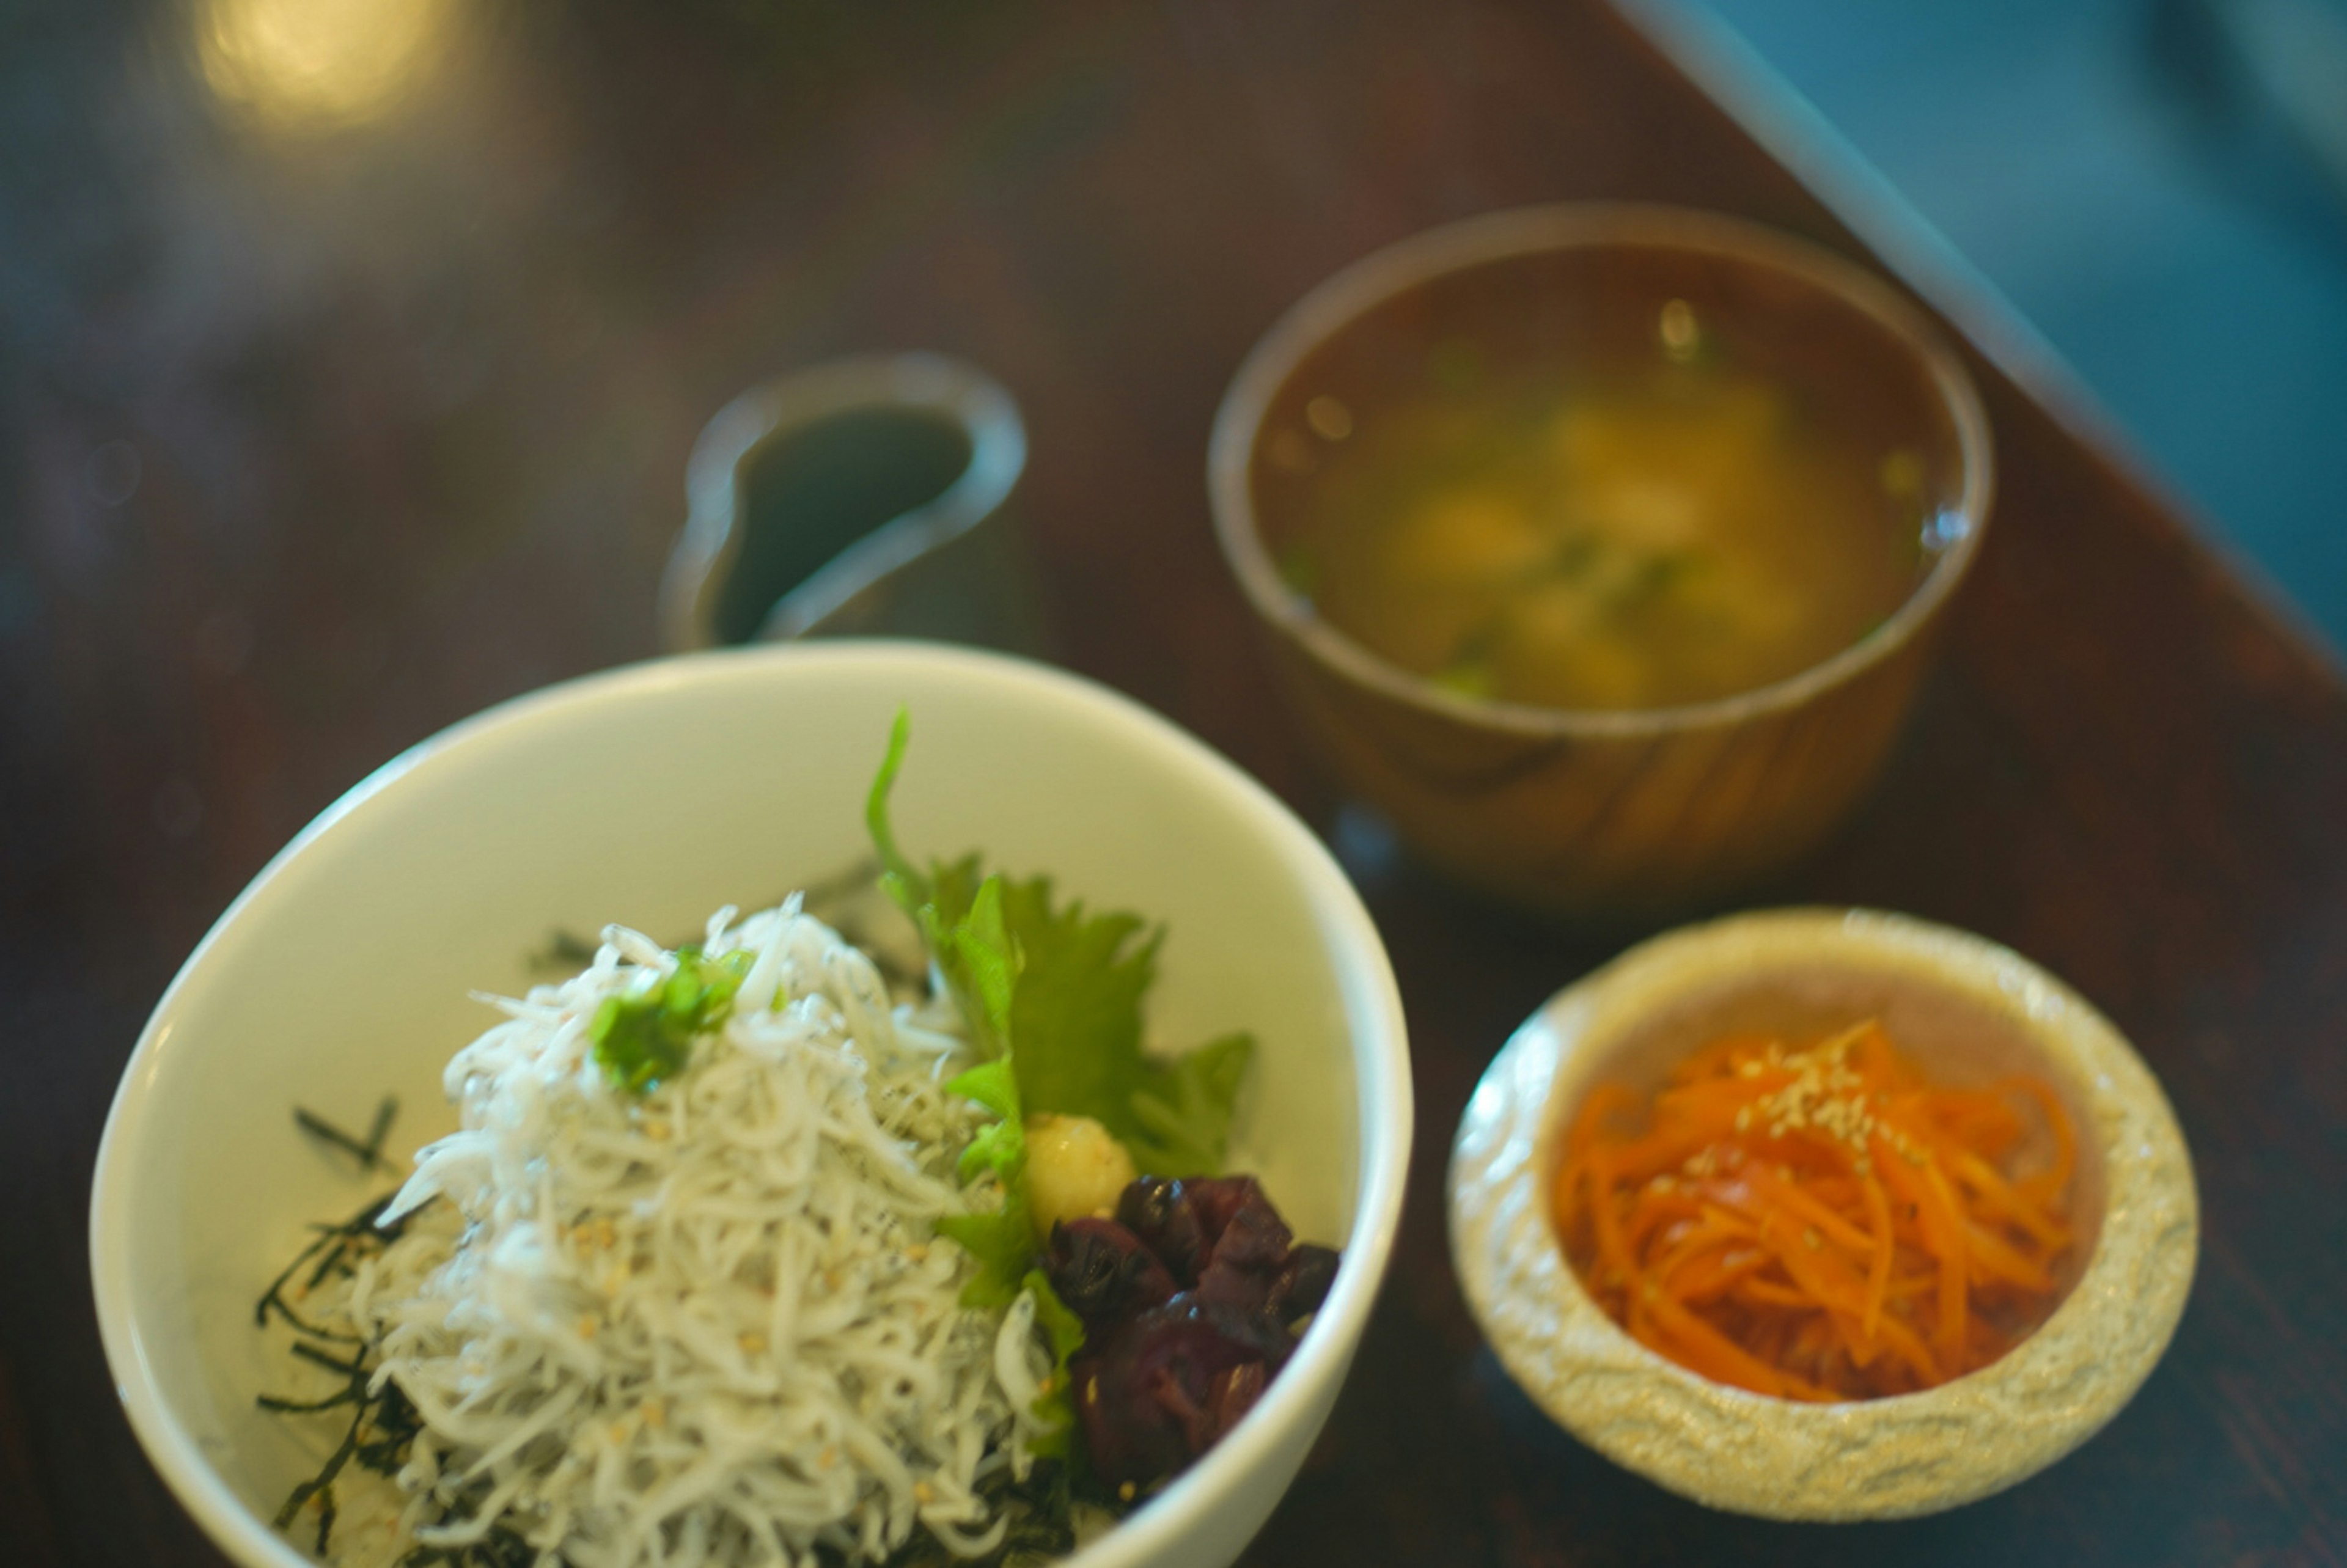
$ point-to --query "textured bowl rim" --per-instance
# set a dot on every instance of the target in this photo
(1339, 300)
(1380, 1053)
(1876, 1459)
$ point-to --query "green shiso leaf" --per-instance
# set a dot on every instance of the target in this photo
(992, 1085)
(1078, 1011)
(964, 928)
(1002, 1242)
(902, 879)
(644, 1040)
(1077, 1014)
(979, 952)
(1182, 1108)
(1067, 985)
(1001, 1148)
(985, 960)
(1055, 1406)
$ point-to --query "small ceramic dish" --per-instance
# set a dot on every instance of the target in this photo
(1967, 1010)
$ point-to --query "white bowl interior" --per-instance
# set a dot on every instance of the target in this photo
(649, 797)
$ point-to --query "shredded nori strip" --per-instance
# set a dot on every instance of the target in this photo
(1043, 1521)
(566, 951)
(368, 1151)
(333, 1251)
(381, 1425)
(502, 1547)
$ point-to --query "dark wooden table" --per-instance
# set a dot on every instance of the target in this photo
(318, 439)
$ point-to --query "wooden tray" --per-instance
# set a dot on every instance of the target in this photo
(409, 404)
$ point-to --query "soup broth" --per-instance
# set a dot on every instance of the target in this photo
(1670, 532)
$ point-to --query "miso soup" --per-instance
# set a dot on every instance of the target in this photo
(1637, 529)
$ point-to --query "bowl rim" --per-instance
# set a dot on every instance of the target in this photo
(1896, 1457)
(1334, 304)
(1378, 1049)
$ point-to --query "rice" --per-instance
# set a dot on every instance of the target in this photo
(711, 1323)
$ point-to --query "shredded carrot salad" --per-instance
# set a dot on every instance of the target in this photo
(1818, 1223)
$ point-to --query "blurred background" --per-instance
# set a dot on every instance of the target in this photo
(350, 349)
(2159, 187)
(333, 331)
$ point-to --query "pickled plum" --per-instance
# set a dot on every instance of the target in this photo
(1103, 1274)
(1190, 1297)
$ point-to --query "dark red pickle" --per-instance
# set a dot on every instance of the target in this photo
(1189, 1297)
(1103, 1272)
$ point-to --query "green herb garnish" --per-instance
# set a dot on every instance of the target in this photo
(644, 1039)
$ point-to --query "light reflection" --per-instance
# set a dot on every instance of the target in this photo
(321, 65)
(1682, 338)
(1944, 528)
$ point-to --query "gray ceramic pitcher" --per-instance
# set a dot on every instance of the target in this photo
(865, 496)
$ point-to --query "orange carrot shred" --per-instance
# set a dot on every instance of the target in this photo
(1878, 1269)
(1818, 1220)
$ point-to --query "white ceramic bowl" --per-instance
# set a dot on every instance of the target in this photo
(1968, 1012)
(651, 796)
